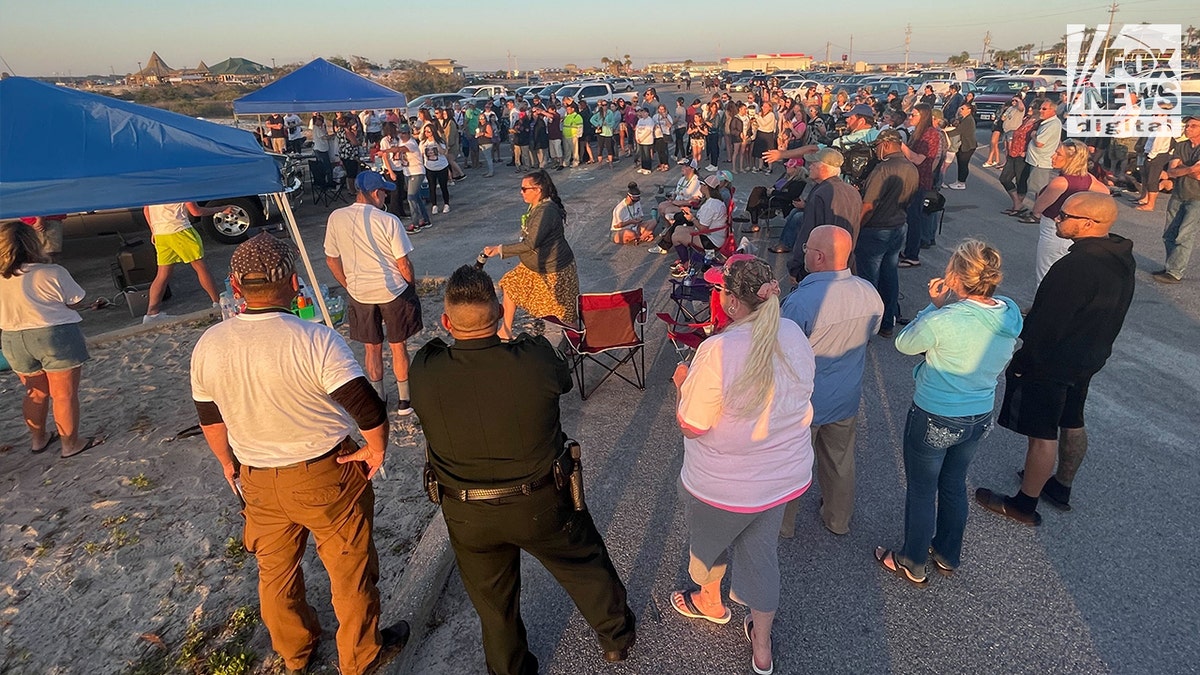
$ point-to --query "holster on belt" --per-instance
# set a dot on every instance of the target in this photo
(429, 478)
(568, 472)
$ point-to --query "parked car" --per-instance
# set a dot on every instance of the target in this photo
(996, 93)
(942, 88)
(795, 88)
(485, 91)
(592, 92)
(741, 84)
(434, 101)
(621, 83)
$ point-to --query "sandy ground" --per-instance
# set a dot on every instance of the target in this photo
(128, 558)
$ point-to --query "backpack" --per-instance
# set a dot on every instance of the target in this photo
(858, 161)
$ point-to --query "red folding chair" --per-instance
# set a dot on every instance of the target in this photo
(610, 333)
(687, 336)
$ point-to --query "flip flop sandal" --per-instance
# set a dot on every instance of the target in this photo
(747, 630)
(49, 441)
(1011, 212)
(92, 442)
(939, 563)
(1030, 219)
(884, 555)
(690, 610)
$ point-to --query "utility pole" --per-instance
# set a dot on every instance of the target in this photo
(1108, 40)
(987, 42)
(907, 40)
(827, 46)
(850, 57)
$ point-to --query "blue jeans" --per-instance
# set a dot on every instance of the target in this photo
(791, 228)
(1183, 224)
(920, 228)
(415, 203)
(937, 452)
(877, 254)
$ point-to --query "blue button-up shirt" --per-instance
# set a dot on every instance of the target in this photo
(839, 313)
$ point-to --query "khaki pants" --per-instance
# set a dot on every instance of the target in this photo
(336, 503)
(833, 448)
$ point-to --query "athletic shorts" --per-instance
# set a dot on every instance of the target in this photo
(180, 247)
(402, 316)
(53, 348)
(606, 145)
(1038, 407)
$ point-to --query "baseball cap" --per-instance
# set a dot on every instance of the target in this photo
(862, 110)
(889, 136)
(725, 175)
(262, 259)
(712, 181)
(633, 190)
(689, 162)
(827, 156)
(369, 181)
(404, 129)
(716, 275)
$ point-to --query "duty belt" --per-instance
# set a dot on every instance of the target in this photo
(497, 493)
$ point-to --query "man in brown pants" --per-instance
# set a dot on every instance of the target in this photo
(279, 420)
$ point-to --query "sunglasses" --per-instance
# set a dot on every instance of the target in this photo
(526, 189)
(1063, 215)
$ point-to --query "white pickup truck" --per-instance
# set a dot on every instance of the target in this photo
(486, 91)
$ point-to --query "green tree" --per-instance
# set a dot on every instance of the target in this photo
(423, 79)
(628, 63)
(339, 60)
(958, 59)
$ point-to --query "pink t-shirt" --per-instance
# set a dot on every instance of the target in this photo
(748, 464)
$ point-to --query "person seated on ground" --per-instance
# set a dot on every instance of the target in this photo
(629, 223)
(701, 229)
(686, 194)
(782, 195)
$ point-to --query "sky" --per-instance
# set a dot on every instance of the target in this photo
(80, 37)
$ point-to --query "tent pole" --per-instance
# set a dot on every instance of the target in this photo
(285, 207)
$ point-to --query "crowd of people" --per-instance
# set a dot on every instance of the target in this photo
(859, 192)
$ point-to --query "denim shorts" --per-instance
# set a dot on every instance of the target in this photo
(53, 348)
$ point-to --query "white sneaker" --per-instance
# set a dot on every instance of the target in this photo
(658, 249)
(446, 209)
(958, 186)
(710, 167)
(155, 318)
(450, 183)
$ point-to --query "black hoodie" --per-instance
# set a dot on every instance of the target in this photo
(1078, 311)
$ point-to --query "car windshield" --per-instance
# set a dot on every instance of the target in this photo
(1005, 86)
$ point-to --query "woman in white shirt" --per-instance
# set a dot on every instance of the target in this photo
(437, 165)
(736, 480)
(662, 131)
(643, 135)
(41, 339)
(767, 125)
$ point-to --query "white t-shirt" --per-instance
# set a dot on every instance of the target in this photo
(294, 126)
(168, 218)
(411, 161)
(38, 298)
(433, 155)
(748, 464)
(369, 242)
(712, 216)
(643, 133)
(687, 189)
(625, 211)
(271, 375)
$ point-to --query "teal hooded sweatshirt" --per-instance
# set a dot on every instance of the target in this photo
(966, 344)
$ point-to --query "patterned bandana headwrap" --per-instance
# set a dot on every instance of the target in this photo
(262, 259)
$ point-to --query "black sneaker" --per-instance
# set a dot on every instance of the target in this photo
(404, 407)
(393, 639)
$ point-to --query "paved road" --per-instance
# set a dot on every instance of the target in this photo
(1109, 587)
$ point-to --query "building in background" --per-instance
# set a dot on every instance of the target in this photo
(768, 63)
(447, 66)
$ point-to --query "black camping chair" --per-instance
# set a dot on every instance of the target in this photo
(324, 188)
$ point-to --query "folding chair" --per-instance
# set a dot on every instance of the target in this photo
(611, 325)
(322, 185)
(686, 337)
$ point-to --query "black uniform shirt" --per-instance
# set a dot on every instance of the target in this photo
(489, 409)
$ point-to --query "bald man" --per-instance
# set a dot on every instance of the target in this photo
(1077, 313)
(839, 313)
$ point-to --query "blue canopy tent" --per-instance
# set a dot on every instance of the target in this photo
(319, 86)
(68, 151)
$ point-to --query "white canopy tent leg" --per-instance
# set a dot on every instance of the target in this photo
(285, 208)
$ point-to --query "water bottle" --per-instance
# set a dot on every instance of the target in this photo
(228, 307)
(481, 260)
